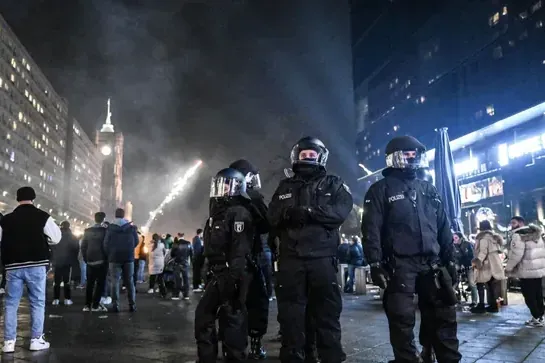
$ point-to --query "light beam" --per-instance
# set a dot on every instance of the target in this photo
(178, 187)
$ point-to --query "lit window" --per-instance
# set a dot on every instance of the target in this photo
(12, 77)
(30, 97)
(8, 136)
(12, 156)
(490, 110)
(26, 93)
(25, 177)
(504, 11)
(14, 126)
(494, 19)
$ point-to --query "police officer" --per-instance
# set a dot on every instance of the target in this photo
(408, 244)
(306, 211)
(229, 234)
(257, 301)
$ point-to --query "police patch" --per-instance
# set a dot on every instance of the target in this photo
(239, 227)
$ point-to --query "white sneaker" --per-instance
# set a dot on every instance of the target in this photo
(2, 291)
(176, 297)
(157, 290)
(535, 322)
(197, 290)
(100, 309)
(86, 308)
(62, 284)
(39, 344)
(9, 346)
(150, 291)
(55, 302)
(68, 302)
(108, 300)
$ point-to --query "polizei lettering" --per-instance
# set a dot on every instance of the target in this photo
(284, 196)
(396, 197)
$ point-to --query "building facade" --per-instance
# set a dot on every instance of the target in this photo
(110, 145)
(476, 68)
(83, 176)
(467, 65)
(34, 133)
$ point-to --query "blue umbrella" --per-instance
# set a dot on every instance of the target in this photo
(445, 180)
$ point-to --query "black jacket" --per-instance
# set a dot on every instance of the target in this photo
(328, 202)
(24, 243)
(404, 217)
(181, 252)
(120, 241)
(463, 253)
(92, 245)
(229, 235)
(343, 253)
(259, 214)
(65, 253)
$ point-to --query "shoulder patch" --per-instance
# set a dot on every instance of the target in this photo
(238, 227)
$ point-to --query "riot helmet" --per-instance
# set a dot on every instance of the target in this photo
(309, 151)
(406, 152)
(250, 172)
(228, 183)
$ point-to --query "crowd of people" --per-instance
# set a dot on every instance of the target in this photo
(109, 256)
(407, 242)
(490, 260)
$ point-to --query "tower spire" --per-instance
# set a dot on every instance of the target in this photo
(108, 127)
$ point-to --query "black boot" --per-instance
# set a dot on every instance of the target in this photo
(479, 309)
(311, 354)
(256, 349)
(427, 355)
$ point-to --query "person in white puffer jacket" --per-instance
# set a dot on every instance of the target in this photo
(526, 261)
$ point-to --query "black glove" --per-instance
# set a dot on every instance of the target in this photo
(297, 216)
(452, 271)
(379, 276)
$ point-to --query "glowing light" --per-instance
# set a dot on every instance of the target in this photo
(178, 188)
(106, 150)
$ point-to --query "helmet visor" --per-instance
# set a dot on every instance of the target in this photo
(407, 159)
(224, 187)
(253, 181)
(311, 156)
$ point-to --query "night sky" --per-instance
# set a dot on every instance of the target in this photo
(216, 80)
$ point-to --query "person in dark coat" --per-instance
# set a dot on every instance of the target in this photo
(65, 254)
(181, 252)
(355, 259)
(197, 260)
(94, 255)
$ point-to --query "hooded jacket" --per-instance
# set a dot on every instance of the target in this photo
(488, 261)
(92, 245)
(526, 258)
(65, 253)
(120, 240)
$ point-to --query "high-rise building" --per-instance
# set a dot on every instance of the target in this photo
(36, 138)
(460, 64)
(110, 144)
(83, 175)
(477, 68)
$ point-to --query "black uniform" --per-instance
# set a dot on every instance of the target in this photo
(405, 228)
(306, 212)
(229, 235)
(257, 301)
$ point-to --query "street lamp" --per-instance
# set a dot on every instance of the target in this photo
(106, 150)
